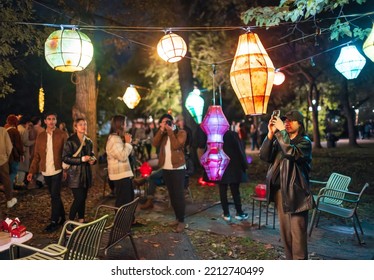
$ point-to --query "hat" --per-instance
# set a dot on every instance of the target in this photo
(166, 116)
(294, 116)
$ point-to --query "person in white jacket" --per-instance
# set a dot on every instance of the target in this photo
(118, 149)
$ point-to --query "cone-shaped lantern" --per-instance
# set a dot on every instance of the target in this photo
(131, 97)
(195, 105)
(279, 78)
(215, 124)
(214, 161)
(171, 47)
(368, 46)
(252, 74)
(68, 50)
(350, 62)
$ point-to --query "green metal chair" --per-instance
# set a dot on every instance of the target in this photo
(347, 209)
(120, 228)
(82, 244)
(331, 192)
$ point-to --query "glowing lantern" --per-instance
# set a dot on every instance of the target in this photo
(214, 161)
(368, 46)
(131, 97)
(252, 74)
(145, 169)
(350, 62)
(215, 124)
(260, 190)
(171, 47)
(41, 100)
(68, 50)
(279, 78)
(195, 105)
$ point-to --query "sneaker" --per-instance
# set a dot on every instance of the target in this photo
(241, 217)
(227, 218)
(180, 227)
(11, 203)
(53, 226)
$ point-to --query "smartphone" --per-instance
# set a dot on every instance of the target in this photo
(276, 113)
(169, 123)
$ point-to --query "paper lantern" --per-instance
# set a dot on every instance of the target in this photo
(214, 161)
(215, 124)
(145, 169)
(260, 190)
(131, 97)
(368, 46)
(195, 105)
(350, 62)
(279, 78)
(171, 47)
(41, 100)
(68, 50)
(252, 74)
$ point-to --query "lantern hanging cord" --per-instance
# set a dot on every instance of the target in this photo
(214, 71)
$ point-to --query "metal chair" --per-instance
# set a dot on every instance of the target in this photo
(336, 182)
(347, 209)
(120, 228)
(82, 244)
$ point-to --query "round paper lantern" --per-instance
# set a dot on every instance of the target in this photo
(68, 50)
(368, 46)
(279, 78)
(171, 48)
(145, 169)
(214, 161)
(195, 105)
(252, 74)
(131, 97)
(350, 62)
(215, 124)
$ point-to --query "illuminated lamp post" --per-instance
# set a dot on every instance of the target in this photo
(350, 62)
(195, 105)
(171, 47)
(252, 74)
(68, 50)
(131, 97)
(368, 46)
(279, 78)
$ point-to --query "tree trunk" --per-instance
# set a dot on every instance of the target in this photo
(347, 111)
(85, 101)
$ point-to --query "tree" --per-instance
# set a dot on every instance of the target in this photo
(298, 11)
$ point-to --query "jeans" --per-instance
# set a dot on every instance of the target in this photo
(234, 188)
(79, 204)
(54, 187)
(124, 191)
(174, 180)
(13, 168)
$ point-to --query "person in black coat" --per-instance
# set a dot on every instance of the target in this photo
(234, 174)
(79, 174)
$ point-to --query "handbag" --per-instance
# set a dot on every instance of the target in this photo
(66, 166)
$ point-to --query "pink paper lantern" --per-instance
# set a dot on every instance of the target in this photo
(215, 124)
(214, 161)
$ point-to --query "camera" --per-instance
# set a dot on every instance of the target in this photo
(276, 113)
(169, 123)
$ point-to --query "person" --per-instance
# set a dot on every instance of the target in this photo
(243, 134)
(153, 179)
(289, 151)
(118, 149)
(149, 128)
(36, 130)
(24, 127)
(48, 159)
(17, 152)
(170, 140)
(62, 127)
(253, 135)
(79, 174)
(6, 148)
(262, 130)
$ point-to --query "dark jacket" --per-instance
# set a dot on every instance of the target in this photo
(79, 173)
(292, 159)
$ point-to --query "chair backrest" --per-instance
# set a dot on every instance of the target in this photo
(122, 222)
(339, 182)
(84, 241)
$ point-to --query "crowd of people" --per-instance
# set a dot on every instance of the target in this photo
(31, 154)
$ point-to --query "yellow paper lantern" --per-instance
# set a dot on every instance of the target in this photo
(368, 46)
(131, 97)
(68, 50)
(171, 48)
(252, 74)
(41, 100)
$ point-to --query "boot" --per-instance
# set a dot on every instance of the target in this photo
(147, 205)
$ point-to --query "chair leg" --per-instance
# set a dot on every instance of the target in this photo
(134, 247)
(360, 242)
(312, 222)
(359, 223)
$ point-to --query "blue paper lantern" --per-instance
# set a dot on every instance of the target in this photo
(195, 105)
(350, 62)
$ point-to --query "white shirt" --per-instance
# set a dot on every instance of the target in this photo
(50, 169)
(167, 164)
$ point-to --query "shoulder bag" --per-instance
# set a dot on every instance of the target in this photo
(66, 166)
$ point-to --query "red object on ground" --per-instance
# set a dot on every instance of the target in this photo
(145, 169)
(260, 190)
